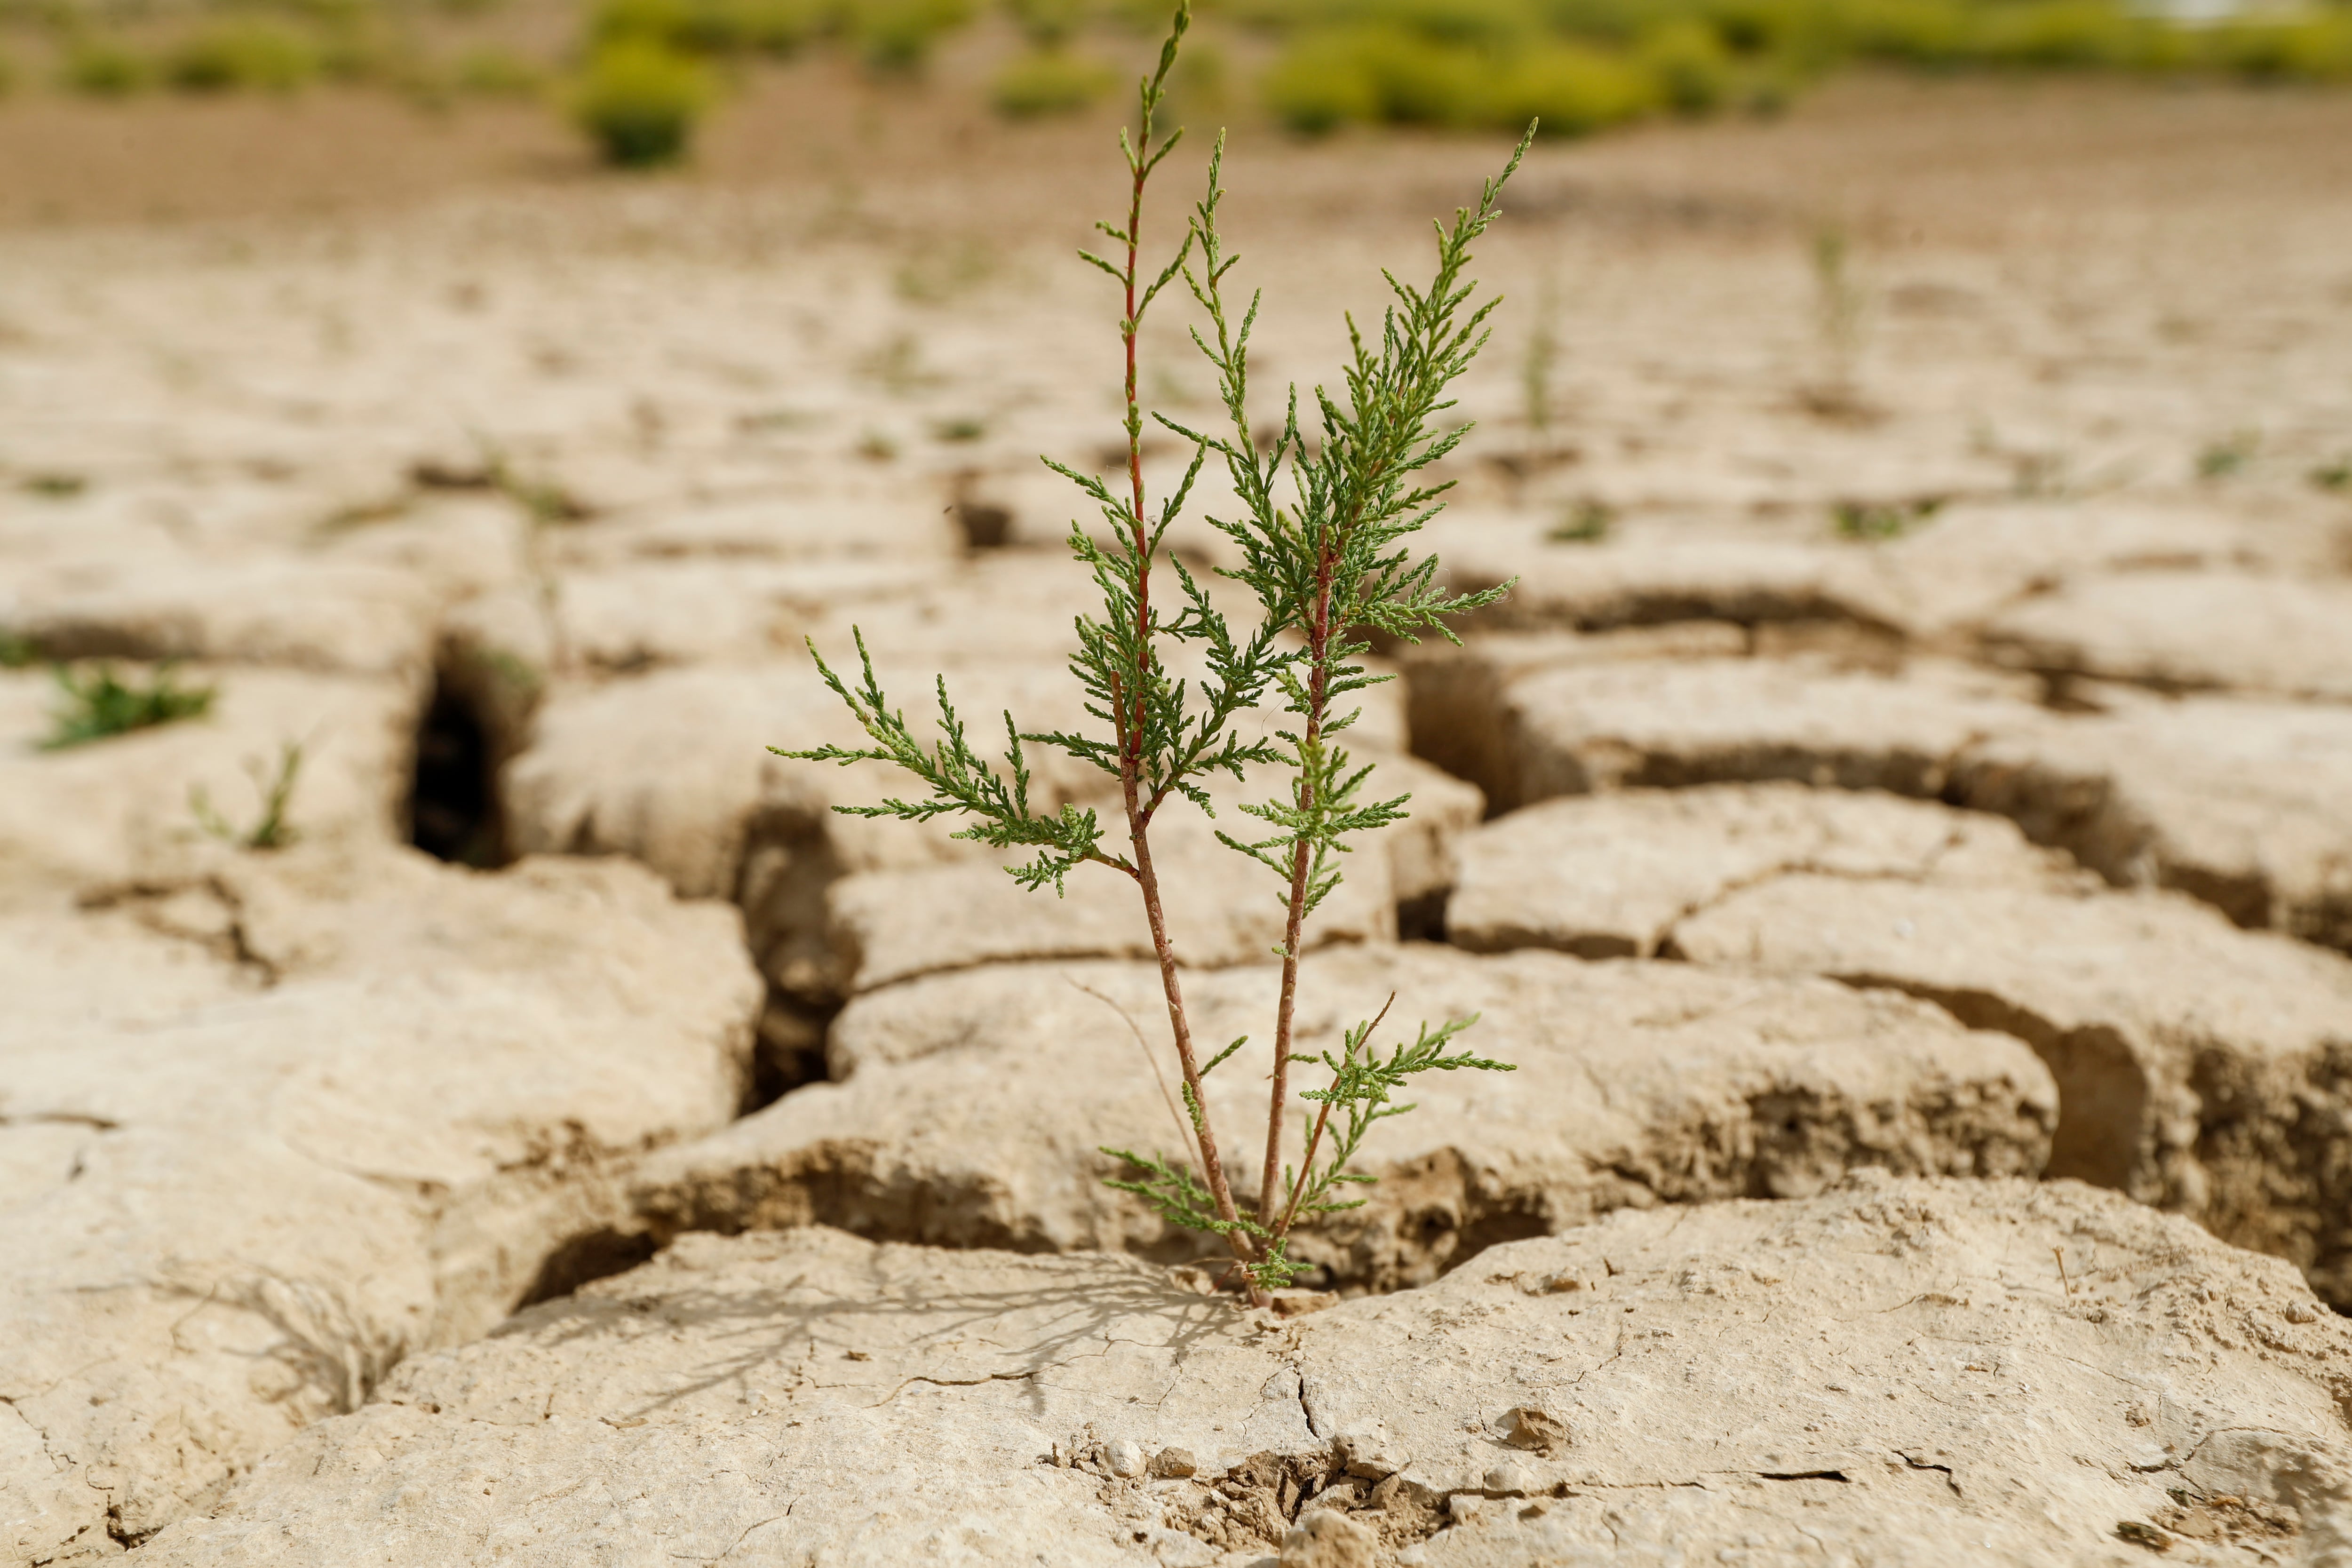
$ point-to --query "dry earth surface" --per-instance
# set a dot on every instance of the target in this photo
(1900, 828)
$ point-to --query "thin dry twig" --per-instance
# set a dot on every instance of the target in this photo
(1183, 1133)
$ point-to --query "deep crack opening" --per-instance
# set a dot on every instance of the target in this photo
(453, 800)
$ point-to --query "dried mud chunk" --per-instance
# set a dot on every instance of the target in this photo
(2199, 1067)
(1323, 1538)
(2273, 635)
(1609, 875)
(1533, 1428)
(302, 1159)
(1635, 1084)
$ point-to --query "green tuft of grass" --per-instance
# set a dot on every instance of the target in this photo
(639, 102)
(1588, 521)
(97, 66)
(2229, 454)
(1877, 520)
(54, 485)
(2334, 476)
(272, 830)
(1049, 81)
(98, 705)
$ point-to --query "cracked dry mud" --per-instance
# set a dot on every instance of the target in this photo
(1852, 1376)
(1923, 956)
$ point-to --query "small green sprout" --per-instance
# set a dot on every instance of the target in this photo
(272, 830)
(1586, 522)
(98, 705)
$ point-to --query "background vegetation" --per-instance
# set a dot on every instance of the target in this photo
(637, 75)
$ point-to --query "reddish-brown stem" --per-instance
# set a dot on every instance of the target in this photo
(1302, 863)
(1314, 1140)
(1132, 713)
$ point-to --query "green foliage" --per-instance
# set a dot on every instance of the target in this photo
(639, 102)
(1690, 66)
(1047, 24)
(1049, 81)
(1572, 91)
(241, 53)
(1583, 65)
(98, 705)
(897, 36)
(492, 72)
(2219, 460)
(272, 830)
(709, 27)
(1874, 520)
(2334, 476)
(15, 652)
(1322, 537)
(1586, 522)
(1320, 84)
(102, 67)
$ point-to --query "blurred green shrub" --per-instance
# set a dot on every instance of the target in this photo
(1573, 88)
(1049, 81)
(897, 36)
(102, 67)
(1689, 67)
(710, 26)
(2313, 47)
(639, 101)
(241, 52)
(1320, 84)
(1047, 24)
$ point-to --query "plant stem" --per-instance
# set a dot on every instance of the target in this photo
(1130, 715)
(1302, 862)
(1314, 1140)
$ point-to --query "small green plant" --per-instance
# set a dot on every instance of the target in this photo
(100, 67)
(639, 101)
(1321, 544)
(2334, 476)
(1881, 520)
(1838, 305)
(2219, 460)
(15, 652)
(1586, 522)
(98, 705)
(1049, 81)
(272, 830)
(1543, 352)
(54, 485)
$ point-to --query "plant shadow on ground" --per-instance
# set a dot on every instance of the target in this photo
(1068, 1315)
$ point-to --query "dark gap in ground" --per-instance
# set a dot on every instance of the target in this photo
(1423, 918)
(788, 1052)
(453, 801)
(584, 1259)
